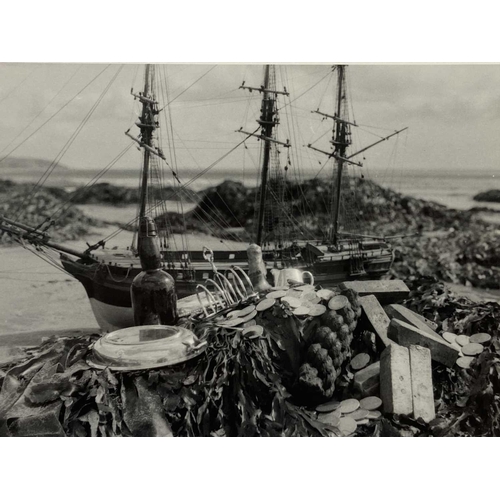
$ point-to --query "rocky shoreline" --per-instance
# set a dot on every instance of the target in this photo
(493, 195)
(450, 245)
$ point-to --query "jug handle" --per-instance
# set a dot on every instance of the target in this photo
(311, 277)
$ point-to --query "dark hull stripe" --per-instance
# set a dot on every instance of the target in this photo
(111, 284)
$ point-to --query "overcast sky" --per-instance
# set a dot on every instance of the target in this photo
(452, 111)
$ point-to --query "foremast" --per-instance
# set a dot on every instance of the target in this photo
(147, 125)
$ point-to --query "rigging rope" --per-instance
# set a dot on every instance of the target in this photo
(45, 107)
(56, 113)
(173, 157)
(299, 179)
(223, 224)
(20, 84)
(305, 92)
(66, 146)
(194, 179)
(186, 89)
(46, 257)
(63, 208)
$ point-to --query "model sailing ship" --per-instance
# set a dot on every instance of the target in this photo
(340, 255)
(107, 274)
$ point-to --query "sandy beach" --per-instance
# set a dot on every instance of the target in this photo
(35, 296)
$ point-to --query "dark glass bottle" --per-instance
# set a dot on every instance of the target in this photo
(154, 300)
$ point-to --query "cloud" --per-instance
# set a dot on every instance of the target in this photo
(452, 111)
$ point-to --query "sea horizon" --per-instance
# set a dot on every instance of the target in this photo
(454, 189)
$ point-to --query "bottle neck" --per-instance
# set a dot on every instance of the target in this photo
(148, 245)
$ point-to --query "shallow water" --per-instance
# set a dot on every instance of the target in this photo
(453, 189)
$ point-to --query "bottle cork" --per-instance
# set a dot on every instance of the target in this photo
(257, 269)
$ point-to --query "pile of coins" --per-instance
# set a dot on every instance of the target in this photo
(468, 346)
(325, 319)
(345, 416)
(303, 301)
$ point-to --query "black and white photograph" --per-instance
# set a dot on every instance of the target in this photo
(249, 250)
(258, 220)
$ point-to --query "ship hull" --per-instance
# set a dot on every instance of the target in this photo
(108, 289)
(108, 285)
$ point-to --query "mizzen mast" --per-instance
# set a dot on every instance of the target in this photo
(340, 142)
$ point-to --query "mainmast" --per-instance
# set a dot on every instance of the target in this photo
(267, 122)
(339, 140)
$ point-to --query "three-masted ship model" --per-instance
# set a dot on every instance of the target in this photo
(107, 274)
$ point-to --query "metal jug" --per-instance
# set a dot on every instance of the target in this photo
(282, 276)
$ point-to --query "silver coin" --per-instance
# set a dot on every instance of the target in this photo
(359, 414)
(250, 316)
(265, 304)
(328, 407)
(480, 338)
(247, 310)
(349, 405)
(347, 426)
(317, 310)
(472, 349)
(449, 337)
(309, 295)
(465, 361)
(325, 294)
(231, 322)
(462, 340)
(301, 311)
(329, 418)
(370, 403)
(338, 302)
(304, 288)
(292, 301)
(253, 331)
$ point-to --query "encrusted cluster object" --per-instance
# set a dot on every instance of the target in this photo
(319, 321)
(328, 340)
